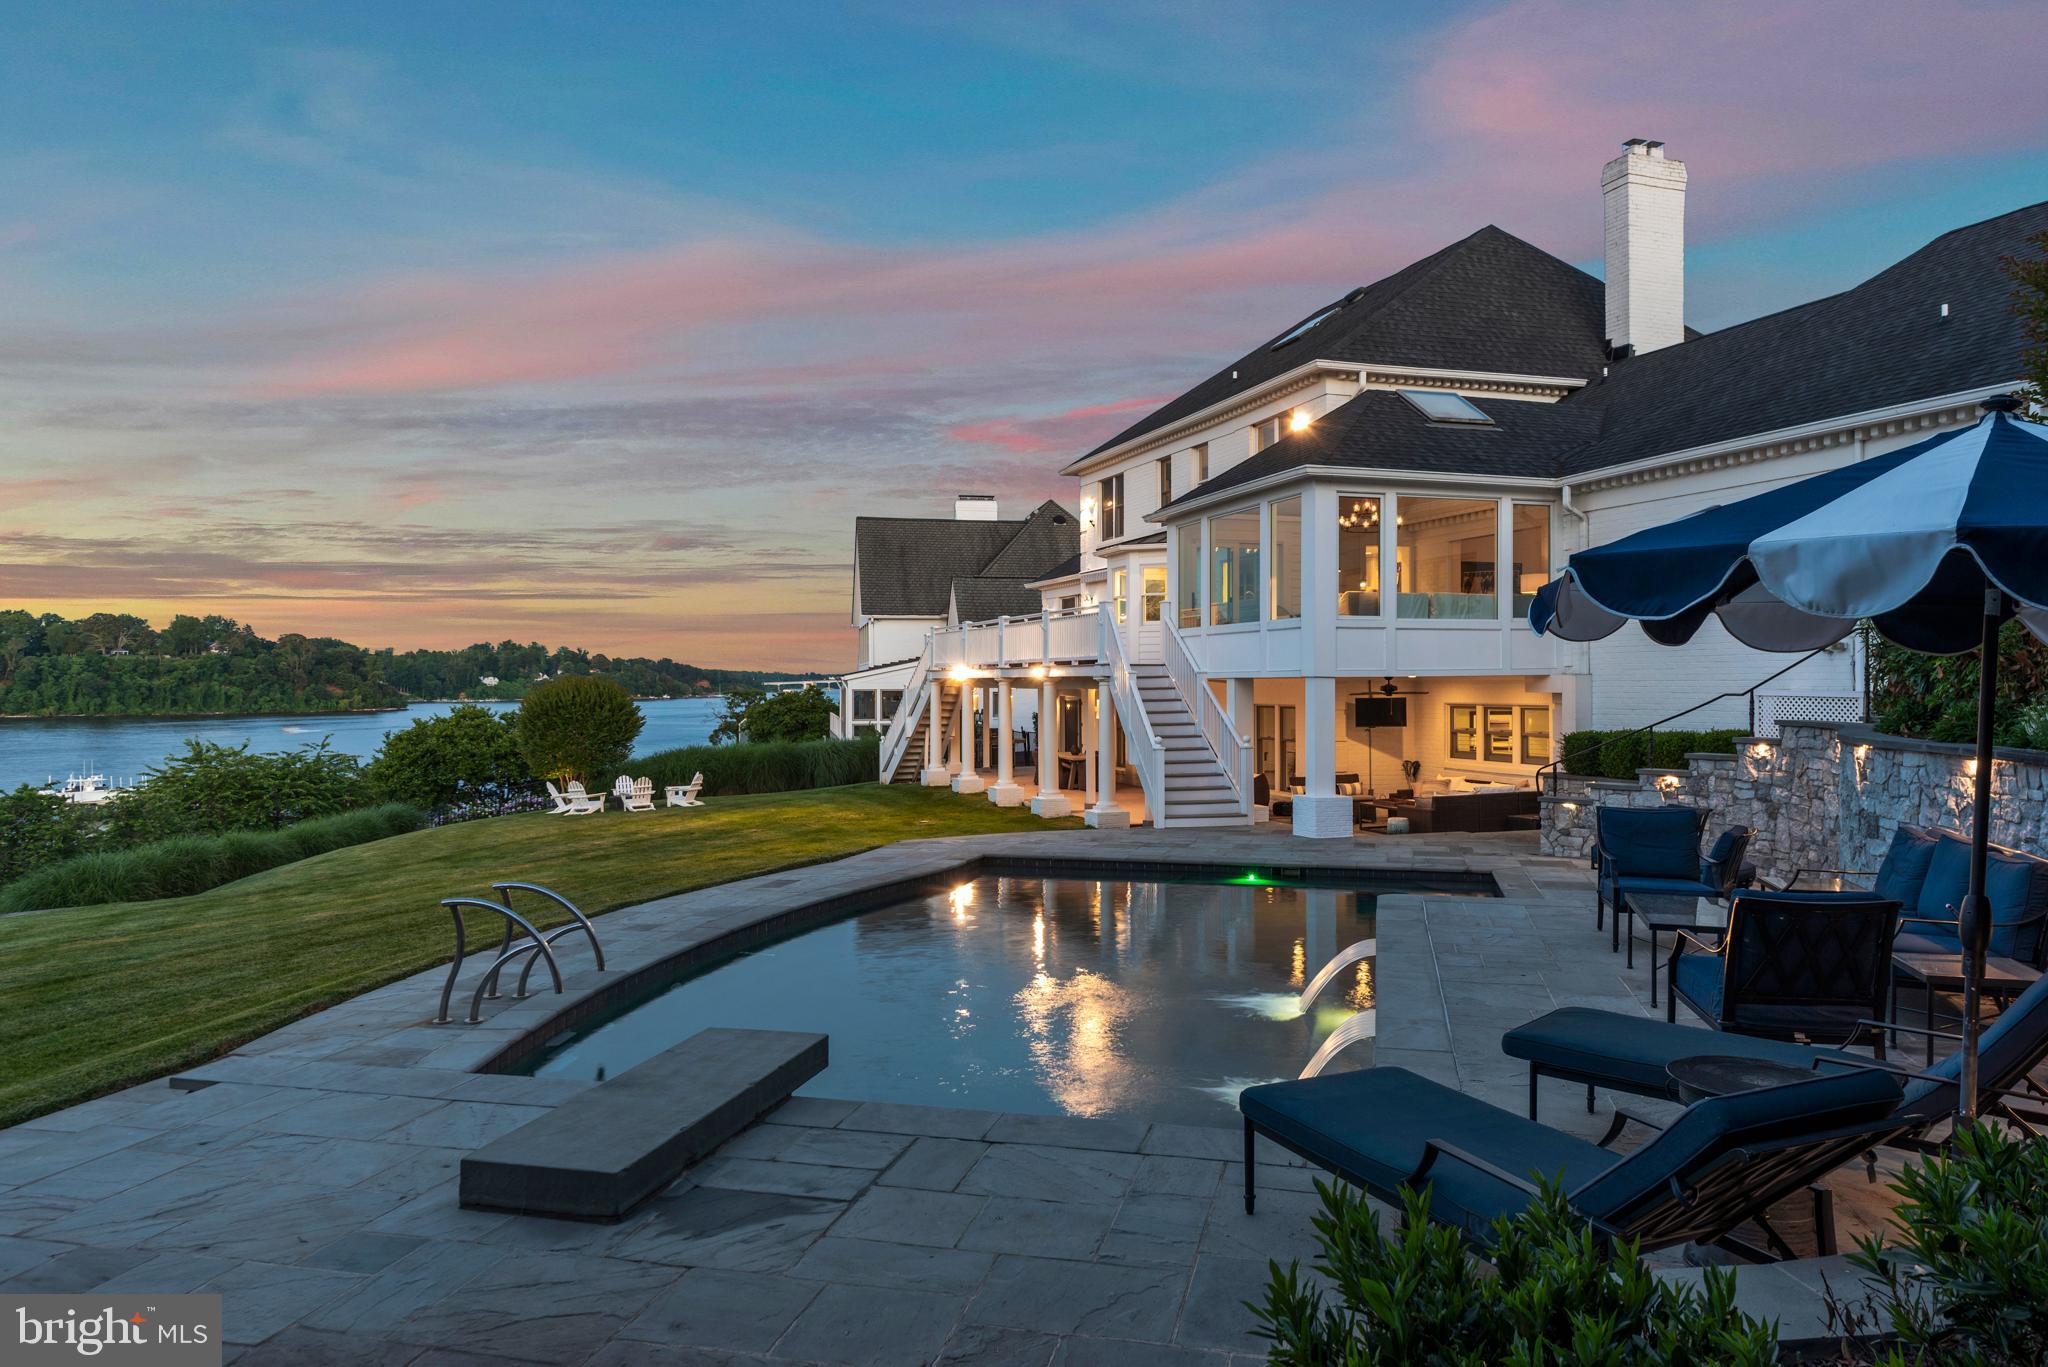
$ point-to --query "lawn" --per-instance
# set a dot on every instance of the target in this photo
(96, 998)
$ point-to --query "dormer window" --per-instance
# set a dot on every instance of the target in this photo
(1440, 405)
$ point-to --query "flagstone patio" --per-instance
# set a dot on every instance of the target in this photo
(310, 1177)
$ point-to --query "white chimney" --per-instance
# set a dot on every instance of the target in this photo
(974, 507)
(1643, 194)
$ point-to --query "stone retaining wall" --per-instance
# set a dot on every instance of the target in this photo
(1820, 796)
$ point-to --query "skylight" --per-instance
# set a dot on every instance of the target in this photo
(1303, 326)
(1440, 405)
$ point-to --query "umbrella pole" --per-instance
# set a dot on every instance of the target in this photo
(1976, 926)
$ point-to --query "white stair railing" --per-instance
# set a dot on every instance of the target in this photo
(1142, 746)
(908, 709)
(1232, 749)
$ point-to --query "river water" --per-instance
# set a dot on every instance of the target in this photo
(35, 750)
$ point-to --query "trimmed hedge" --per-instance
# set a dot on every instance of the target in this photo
(187, 864)
(1617, 754)
(764, 766)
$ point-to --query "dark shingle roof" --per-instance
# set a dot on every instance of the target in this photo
(1489, 302)
(1881, 343)
(986, 596)
(1380, 430)
(907, 565)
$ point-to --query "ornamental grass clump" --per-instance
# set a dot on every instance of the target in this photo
(1556, 1294)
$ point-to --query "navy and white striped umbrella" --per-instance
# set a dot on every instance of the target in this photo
(1937, 545)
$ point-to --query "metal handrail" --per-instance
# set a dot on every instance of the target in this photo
(1547, 775)
(535, 942)
(579, 920)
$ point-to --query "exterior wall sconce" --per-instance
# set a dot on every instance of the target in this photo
(1299, 419)
(1088, 512)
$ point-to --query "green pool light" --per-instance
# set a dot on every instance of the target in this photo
(1252, 878)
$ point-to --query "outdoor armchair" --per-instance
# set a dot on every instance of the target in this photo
(1650, 849)
(1719, 1165)
(1809, 966)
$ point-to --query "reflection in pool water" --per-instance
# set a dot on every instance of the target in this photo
(1049, 995)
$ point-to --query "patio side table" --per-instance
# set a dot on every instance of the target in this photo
(2004, 979)
(1710, 1075)
(1659, 915)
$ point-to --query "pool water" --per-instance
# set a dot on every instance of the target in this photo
(1089, 997)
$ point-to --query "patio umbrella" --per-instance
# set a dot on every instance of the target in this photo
(1937, 545)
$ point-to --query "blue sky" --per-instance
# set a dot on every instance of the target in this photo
(598, 324)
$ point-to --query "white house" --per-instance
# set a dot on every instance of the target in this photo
(1313, 567)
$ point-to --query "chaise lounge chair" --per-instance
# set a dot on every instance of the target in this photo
(1718, 1166)
(1630, 1054)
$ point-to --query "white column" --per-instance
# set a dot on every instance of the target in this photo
(1320, 812)
(934, 774)
(967, 778)
(1240, 703)
(1049, 800)
(1005, 792)
(1105, 814)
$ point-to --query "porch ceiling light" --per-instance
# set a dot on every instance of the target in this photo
(1039, 672)
(960, 674)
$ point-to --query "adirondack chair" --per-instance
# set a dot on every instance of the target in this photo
(637, 794)
(685, 794)
(582, 803)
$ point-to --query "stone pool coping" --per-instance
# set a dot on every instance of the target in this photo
(303, 1173)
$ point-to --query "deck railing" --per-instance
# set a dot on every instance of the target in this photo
(1064, 636)
(1232, 749)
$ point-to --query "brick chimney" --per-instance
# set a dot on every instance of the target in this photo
(1643, 195)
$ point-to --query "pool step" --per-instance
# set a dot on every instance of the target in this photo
(601, 1153)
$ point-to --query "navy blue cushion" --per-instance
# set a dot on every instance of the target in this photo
(1947, 882)
(1651, 842)
(1709, 1129)
(1699, 982)
(1665, 887)
(1372, 1126)
(1631, 1053)
(1905, 865)
(1921, 937)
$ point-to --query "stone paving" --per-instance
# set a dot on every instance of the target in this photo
(310, 1176)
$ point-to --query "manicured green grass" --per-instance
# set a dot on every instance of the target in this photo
(96, 998)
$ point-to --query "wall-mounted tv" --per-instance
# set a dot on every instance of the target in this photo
(1371, 710)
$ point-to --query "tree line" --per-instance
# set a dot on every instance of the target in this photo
(118, 664)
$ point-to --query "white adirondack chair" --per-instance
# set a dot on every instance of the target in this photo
(637, 795)
(582, 803)
(562, 807)
(685, 794)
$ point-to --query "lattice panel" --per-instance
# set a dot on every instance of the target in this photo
(1773, 708)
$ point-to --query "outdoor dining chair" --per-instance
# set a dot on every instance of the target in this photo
(1652, 850)
(1808, 966)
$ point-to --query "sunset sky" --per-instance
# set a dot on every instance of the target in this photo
(419, 324)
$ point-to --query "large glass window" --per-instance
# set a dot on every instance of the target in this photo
(1358, 556)
(1536, 735)
(1154, 586)
(1532, 553)
(1234, 575)
(1464, 731)
(1110, 520)
(1188, 566)
(1286, 587)
(1120, 586)
(1500, 735)
(1446, 556)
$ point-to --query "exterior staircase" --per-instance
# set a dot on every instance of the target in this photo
(912, 763)
(1197, 791)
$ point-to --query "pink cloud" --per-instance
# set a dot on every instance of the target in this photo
(1075, 429)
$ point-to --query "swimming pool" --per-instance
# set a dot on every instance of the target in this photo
(1052, 995)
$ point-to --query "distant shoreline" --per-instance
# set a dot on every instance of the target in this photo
(321, 712)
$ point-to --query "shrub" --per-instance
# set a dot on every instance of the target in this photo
(758, 767)
(1618, 754)
(1967, 1281)
(1557, 1294)
(469, 756)
(211, 789)
(36, 830)
(579, 727)
(183, 865)
(796, 714)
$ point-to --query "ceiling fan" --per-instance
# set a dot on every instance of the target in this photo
(1389, 689)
